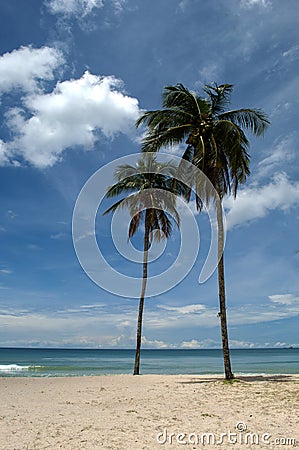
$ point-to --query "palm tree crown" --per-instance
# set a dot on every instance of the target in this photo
(149, 185)
(216, 142)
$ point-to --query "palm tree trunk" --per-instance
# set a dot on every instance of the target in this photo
(222, 302)
(142, 295)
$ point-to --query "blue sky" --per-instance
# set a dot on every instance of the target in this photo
(74, 77)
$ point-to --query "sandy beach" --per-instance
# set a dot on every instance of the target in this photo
(149, 412)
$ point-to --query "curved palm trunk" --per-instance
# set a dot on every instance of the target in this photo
(142, 295)
(222, 302)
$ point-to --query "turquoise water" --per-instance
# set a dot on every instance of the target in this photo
(27, 362)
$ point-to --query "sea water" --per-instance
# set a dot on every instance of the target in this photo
(39, 362)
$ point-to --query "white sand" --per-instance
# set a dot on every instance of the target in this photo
(125, 412)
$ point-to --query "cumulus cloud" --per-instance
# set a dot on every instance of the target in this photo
(147, 343)
(234, 343)
(194, 343)
(25, 67)
(80, 8)
(255, 202)
(71, 115)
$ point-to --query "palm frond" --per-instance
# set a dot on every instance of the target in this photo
(164, 223)
(200, 153)
(253, 120)
(167, 202)
(179, 97)
(160, 120)
(234, 145)
(182, 179)
(219, 96)
(176, 96)
(170, 136)
(127, 185)
(134, 223)
(124, 171)
(123, 203)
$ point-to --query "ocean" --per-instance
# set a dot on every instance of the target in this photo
(38, 362)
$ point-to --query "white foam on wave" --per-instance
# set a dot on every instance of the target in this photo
(13, 368)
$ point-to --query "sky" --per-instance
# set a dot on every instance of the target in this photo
(74, 77)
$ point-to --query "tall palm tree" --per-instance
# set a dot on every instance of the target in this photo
(150, 202)
(216, 144)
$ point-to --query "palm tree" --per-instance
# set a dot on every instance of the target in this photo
(151, 202)
(216, 144)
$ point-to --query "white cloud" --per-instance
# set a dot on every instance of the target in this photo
(95, 306)
(284, 299)
(184, 4)
(194, 343)
(167, 317)
(252, 3)
(283, 151)
(188, 309)
(79, 8)
(210, 343)
(10, 214)
(285, 344)
(72, 115)
(209, 72)
(280, 344)
(25, 67)
(58, 236)
(234, 343)
(188, 316)
(255, 202)
(4, 154)
(292, 54)
(147, 343)
(119, 6)
(6, 271)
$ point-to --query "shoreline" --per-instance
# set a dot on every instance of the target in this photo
(19, 373)
(124, 411)
(237, 375)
